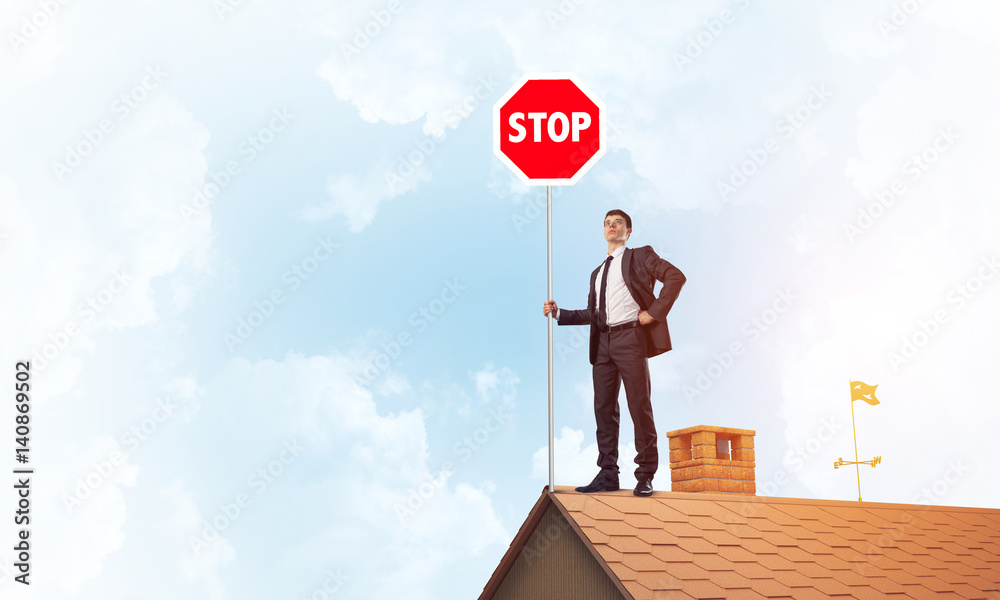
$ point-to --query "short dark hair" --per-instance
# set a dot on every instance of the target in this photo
(620, 213)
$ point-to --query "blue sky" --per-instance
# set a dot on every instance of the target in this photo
(821, 173)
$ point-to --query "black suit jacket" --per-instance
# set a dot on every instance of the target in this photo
(641, 269)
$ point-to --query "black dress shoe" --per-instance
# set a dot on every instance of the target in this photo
(644, 487)
(601, 483)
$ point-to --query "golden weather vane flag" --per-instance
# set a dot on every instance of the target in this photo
(860, 391)
(863, 391)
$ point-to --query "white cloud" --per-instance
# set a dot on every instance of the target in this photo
(393, 384)
(78, 514)
(30, 50)
(413, 64)
(679, 144)
(496, 386)
(119, 213)
(968, 17)
(407, 70)
(391, 511)
(851, 29)
(185, 521)
(85, 251)
(357, 199)
(897, 307)
(576, 464)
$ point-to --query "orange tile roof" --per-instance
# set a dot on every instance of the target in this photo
(681, 545)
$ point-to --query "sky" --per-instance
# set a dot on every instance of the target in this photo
(282, 303)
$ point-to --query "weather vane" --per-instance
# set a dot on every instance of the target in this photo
(860, 391)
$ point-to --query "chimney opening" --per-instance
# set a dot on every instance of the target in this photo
(723, 449)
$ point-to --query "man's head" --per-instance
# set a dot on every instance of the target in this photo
(617, 226)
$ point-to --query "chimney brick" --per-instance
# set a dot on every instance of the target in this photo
(705, 451)
(699, 438)
(681, 454)
(680, 442)
(697, 464)
(731, 487)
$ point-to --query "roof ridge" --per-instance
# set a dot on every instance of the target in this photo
(713, 497)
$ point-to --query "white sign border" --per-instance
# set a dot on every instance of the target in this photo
(601, 111)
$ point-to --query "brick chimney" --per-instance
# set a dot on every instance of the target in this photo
(704, 458)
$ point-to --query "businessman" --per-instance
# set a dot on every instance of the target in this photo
(628, 325)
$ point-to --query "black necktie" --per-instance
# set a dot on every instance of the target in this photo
(602, 305)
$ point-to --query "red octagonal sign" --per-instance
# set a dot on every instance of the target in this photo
(548, 129)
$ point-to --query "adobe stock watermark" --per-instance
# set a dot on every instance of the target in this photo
(794, 461)
(542, 540)
(899, 16)
(561, 12)
(914, 167)
(132, 439)
(796, 458)
(34, 23)
(261, 480)
(752, 330)
(94, 137)
(88, 312)
(929, 495)
(407, 164)
(787, 127)
(579, 337)
(224, 8)
(936, 491)
(711, 30)
(419, 321)
(464, 449)
(332, 583)
(292, 278)
(365, 33)
(955, 300)
(249, 149)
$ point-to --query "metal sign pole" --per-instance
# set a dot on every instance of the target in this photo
(857, 466)
(548, 240)
(549, 160)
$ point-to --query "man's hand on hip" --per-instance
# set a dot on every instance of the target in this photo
(644, 318)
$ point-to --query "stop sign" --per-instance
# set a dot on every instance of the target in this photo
(548, 129)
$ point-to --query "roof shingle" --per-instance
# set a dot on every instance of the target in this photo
(678, 545)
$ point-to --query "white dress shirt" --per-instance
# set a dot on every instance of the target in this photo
(621, 306)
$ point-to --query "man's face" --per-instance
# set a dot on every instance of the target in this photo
(614, 229)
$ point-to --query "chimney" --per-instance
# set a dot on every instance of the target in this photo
(704, 458)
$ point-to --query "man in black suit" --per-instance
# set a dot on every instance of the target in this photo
(628, 325)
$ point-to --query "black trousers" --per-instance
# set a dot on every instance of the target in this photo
(621, 357)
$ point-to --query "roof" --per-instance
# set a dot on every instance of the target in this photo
(682, 545)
